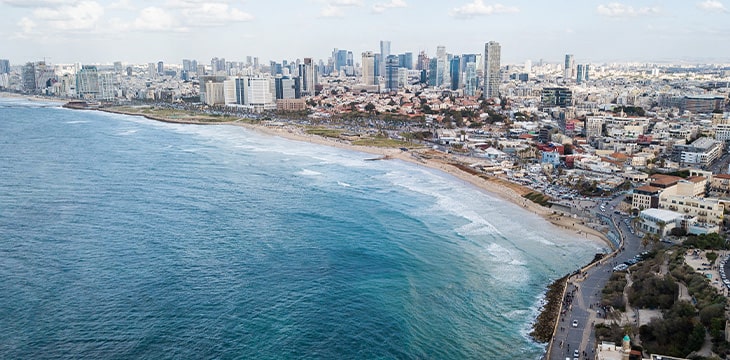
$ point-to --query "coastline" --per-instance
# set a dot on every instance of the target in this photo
(498, 187)
(448, 164)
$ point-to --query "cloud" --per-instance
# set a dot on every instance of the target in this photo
(381, 7)
(154, 19)
(36, 3)
(346, 2)
(712, 6)
(83, 15)
(335, 8)
(122, 5)
(618, 10)
(330, 11)
(478, 8)
(215, 14)
(26, 25)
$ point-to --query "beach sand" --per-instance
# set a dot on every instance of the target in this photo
(499, 187)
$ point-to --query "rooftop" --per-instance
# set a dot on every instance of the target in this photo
(662, 215)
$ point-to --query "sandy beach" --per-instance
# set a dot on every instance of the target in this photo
(501, 188)
(420, 156)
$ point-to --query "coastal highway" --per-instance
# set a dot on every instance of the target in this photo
(585, 291)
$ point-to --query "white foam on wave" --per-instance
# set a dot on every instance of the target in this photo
(78, 122)
(307, 172)
(127, 132)
(343, 184)
(449, 197)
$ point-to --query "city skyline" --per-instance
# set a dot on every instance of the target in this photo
(103, 31)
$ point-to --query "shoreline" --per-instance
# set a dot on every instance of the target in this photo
(447, 164)
(500, 188)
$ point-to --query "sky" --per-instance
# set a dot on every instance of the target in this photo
(143, 31)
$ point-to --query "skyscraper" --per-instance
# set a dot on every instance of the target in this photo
(287, 88)
(423, 61)
(28, 76)
(569, 67)
(368, 68)
(151, 70)
(308, 76)
(160, 68)
(391, 73)
(471, 80)
(455, 70)
(384, 53)
(492, 77)
(406, 60)
(580, 74)
(4, 66)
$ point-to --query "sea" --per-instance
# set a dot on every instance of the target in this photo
(127, 238)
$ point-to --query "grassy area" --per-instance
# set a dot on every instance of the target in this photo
(538, 198)
(324, 132)
(382, 142)
(172, 114)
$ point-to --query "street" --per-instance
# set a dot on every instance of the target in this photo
(585, 291)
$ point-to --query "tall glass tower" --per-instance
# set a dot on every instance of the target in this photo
(384, 53)
(492, 76)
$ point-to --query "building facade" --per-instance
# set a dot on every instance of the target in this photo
(492, 74)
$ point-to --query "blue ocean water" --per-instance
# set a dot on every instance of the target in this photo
(122, 237)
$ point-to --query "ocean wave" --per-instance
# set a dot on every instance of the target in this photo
(307, 172)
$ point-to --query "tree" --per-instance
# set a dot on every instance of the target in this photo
(370, 107)
(711, 257)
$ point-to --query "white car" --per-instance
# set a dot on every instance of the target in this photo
(575, 324)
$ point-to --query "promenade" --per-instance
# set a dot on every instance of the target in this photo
(583, 293)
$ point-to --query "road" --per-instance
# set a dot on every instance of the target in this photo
(586, 291)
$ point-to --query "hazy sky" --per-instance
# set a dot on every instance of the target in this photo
(141, 31)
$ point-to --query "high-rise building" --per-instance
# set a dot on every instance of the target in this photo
(435, 72)
(580, 74)
(308, 76)
(467, 58)
(151, 70)
(378, 62)
(423, 61)
(384, 53)
(587, 72)
(4, 66)
(28, 76)
(118, 68)
(471, 79)
(528, 66)
(406, 60)
(91, 84)
(287, 88)
(402, 77)
(391, 73)
(87, 82)
(187, 65)
(455, 71)
(556, 96)
(340, 57)
(160, 68)
(569, 67)
(368, 68)
(492, 76)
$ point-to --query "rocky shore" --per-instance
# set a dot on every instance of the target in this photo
(542, 329)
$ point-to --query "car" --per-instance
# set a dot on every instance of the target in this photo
(575, 324)
(576, 353)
